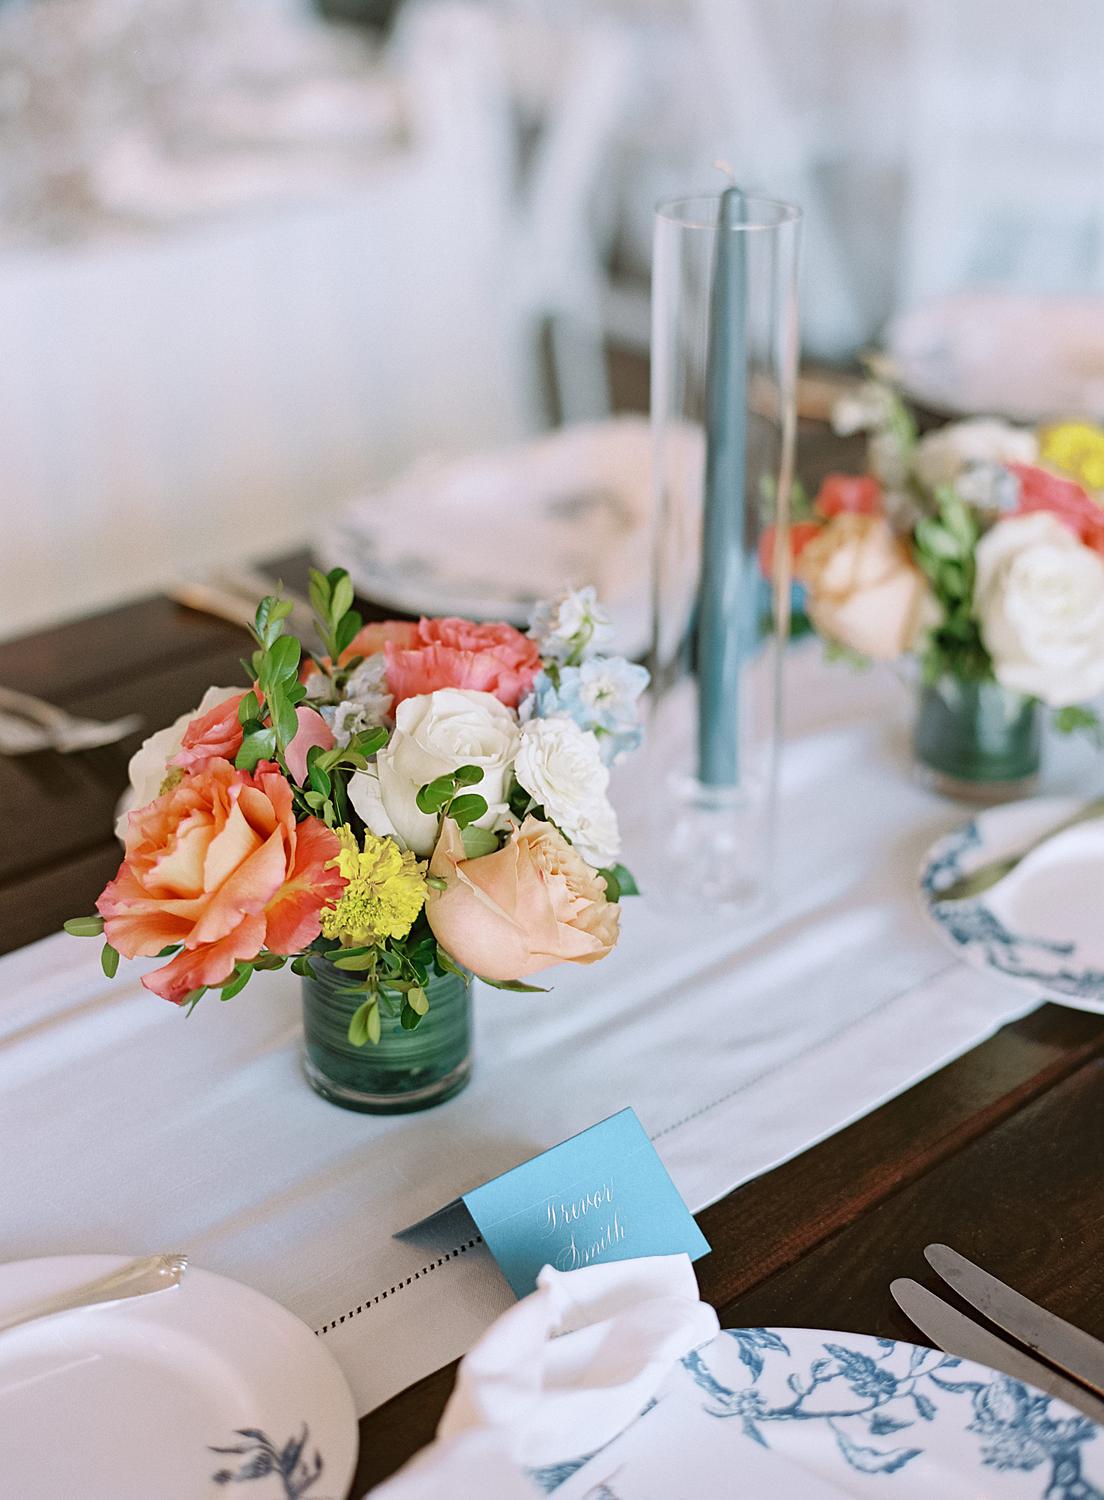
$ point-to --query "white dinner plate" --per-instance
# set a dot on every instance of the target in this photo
(208, 1389)
(801, 1414)
(1011, 354)
(1040, 927)
(488, 535)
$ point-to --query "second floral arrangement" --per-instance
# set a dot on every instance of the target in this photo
(411, 800)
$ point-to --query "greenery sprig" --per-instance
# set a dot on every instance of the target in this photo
(945, 546)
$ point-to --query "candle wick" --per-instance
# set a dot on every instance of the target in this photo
(727, 169)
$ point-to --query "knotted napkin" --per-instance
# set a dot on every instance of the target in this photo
(559, 1375)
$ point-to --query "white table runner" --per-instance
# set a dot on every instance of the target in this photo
(126, 1127)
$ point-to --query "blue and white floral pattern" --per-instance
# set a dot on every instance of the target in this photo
(261, 1458)
(980, 933)
(874, 1417)
(876, 1408)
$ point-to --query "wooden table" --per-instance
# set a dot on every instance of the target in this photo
(997, 1153)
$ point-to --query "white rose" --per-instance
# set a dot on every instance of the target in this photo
(561, 767)
(149, 763)
(1039, 599)
(434, 734)
(941, 456)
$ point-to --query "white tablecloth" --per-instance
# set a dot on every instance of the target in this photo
(126, 1127)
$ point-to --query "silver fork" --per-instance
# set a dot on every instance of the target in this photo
(28, 724)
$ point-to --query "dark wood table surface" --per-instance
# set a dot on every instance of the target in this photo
(997, 1153)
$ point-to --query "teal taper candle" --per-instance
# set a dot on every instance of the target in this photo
(721, 603)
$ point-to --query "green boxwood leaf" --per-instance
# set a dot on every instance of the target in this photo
(242, 976)
(360, 1027)
(433, 796)
(248, 709)
(341, 600)
(346, 631)
(84, 926)
(478, 841)
(515, 985)
(418, 1000)
(109, 960)
(256, 746)
(467, 809)
(468, 775)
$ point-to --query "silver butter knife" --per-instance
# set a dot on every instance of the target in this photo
(153, 1273)
(956, 1334)
(1058, 1342)
(986, 876)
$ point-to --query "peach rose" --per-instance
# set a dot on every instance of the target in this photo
(864, 589)
(456, 653)
(220, 865)
(215, 735)
(531, 904)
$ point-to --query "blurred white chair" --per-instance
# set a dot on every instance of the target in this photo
(777, 144)
(182, 397)
(1005, 163)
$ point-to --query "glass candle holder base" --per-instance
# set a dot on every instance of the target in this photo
(715, 845)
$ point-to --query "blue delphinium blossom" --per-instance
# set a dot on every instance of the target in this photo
(571, 627)
(601, 695)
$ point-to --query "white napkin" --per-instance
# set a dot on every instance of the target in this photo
(559, 1375)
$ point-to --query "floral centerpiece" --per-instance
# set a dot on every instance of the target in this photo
(977, 550)
(412, 804)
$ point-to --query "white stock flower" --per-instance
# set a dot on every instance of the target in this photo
(561, 767)
(149, 764)
(1039, 599)
(941, 456)
(434, 734)
(571, 627)
(367, 687)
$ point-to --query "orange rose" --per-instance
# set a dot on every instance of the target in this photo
(532, 903)
(220, 865)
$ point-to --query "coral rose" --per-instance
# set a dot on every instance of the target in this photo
(215, 735)
(1064, 498)
(864, 589)
(220, 865)
(370, 639)
(857, 494)
(456, 653)
(530, 904)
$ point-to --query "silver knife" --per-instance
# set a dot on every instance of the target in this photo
(956, 1334)
(1051, 1337)
(153, 1273)
(986, 876)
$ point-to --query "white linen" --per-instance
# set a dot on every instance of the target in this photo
(562, 1373)
(126, 1127)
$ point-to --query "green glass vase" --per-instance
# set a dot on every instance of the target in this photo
(404, 1070)
(977, 741)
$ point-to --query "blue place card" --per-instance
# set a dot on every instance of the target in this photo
(602, 1195)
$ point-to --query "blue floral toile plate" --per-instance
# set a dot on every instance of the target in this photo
(801, 1414)
(207, 1390)
(1040, 927)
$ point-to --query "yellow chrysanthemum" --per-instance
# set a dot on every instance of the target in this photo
(385, 892)
(1076, 448)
